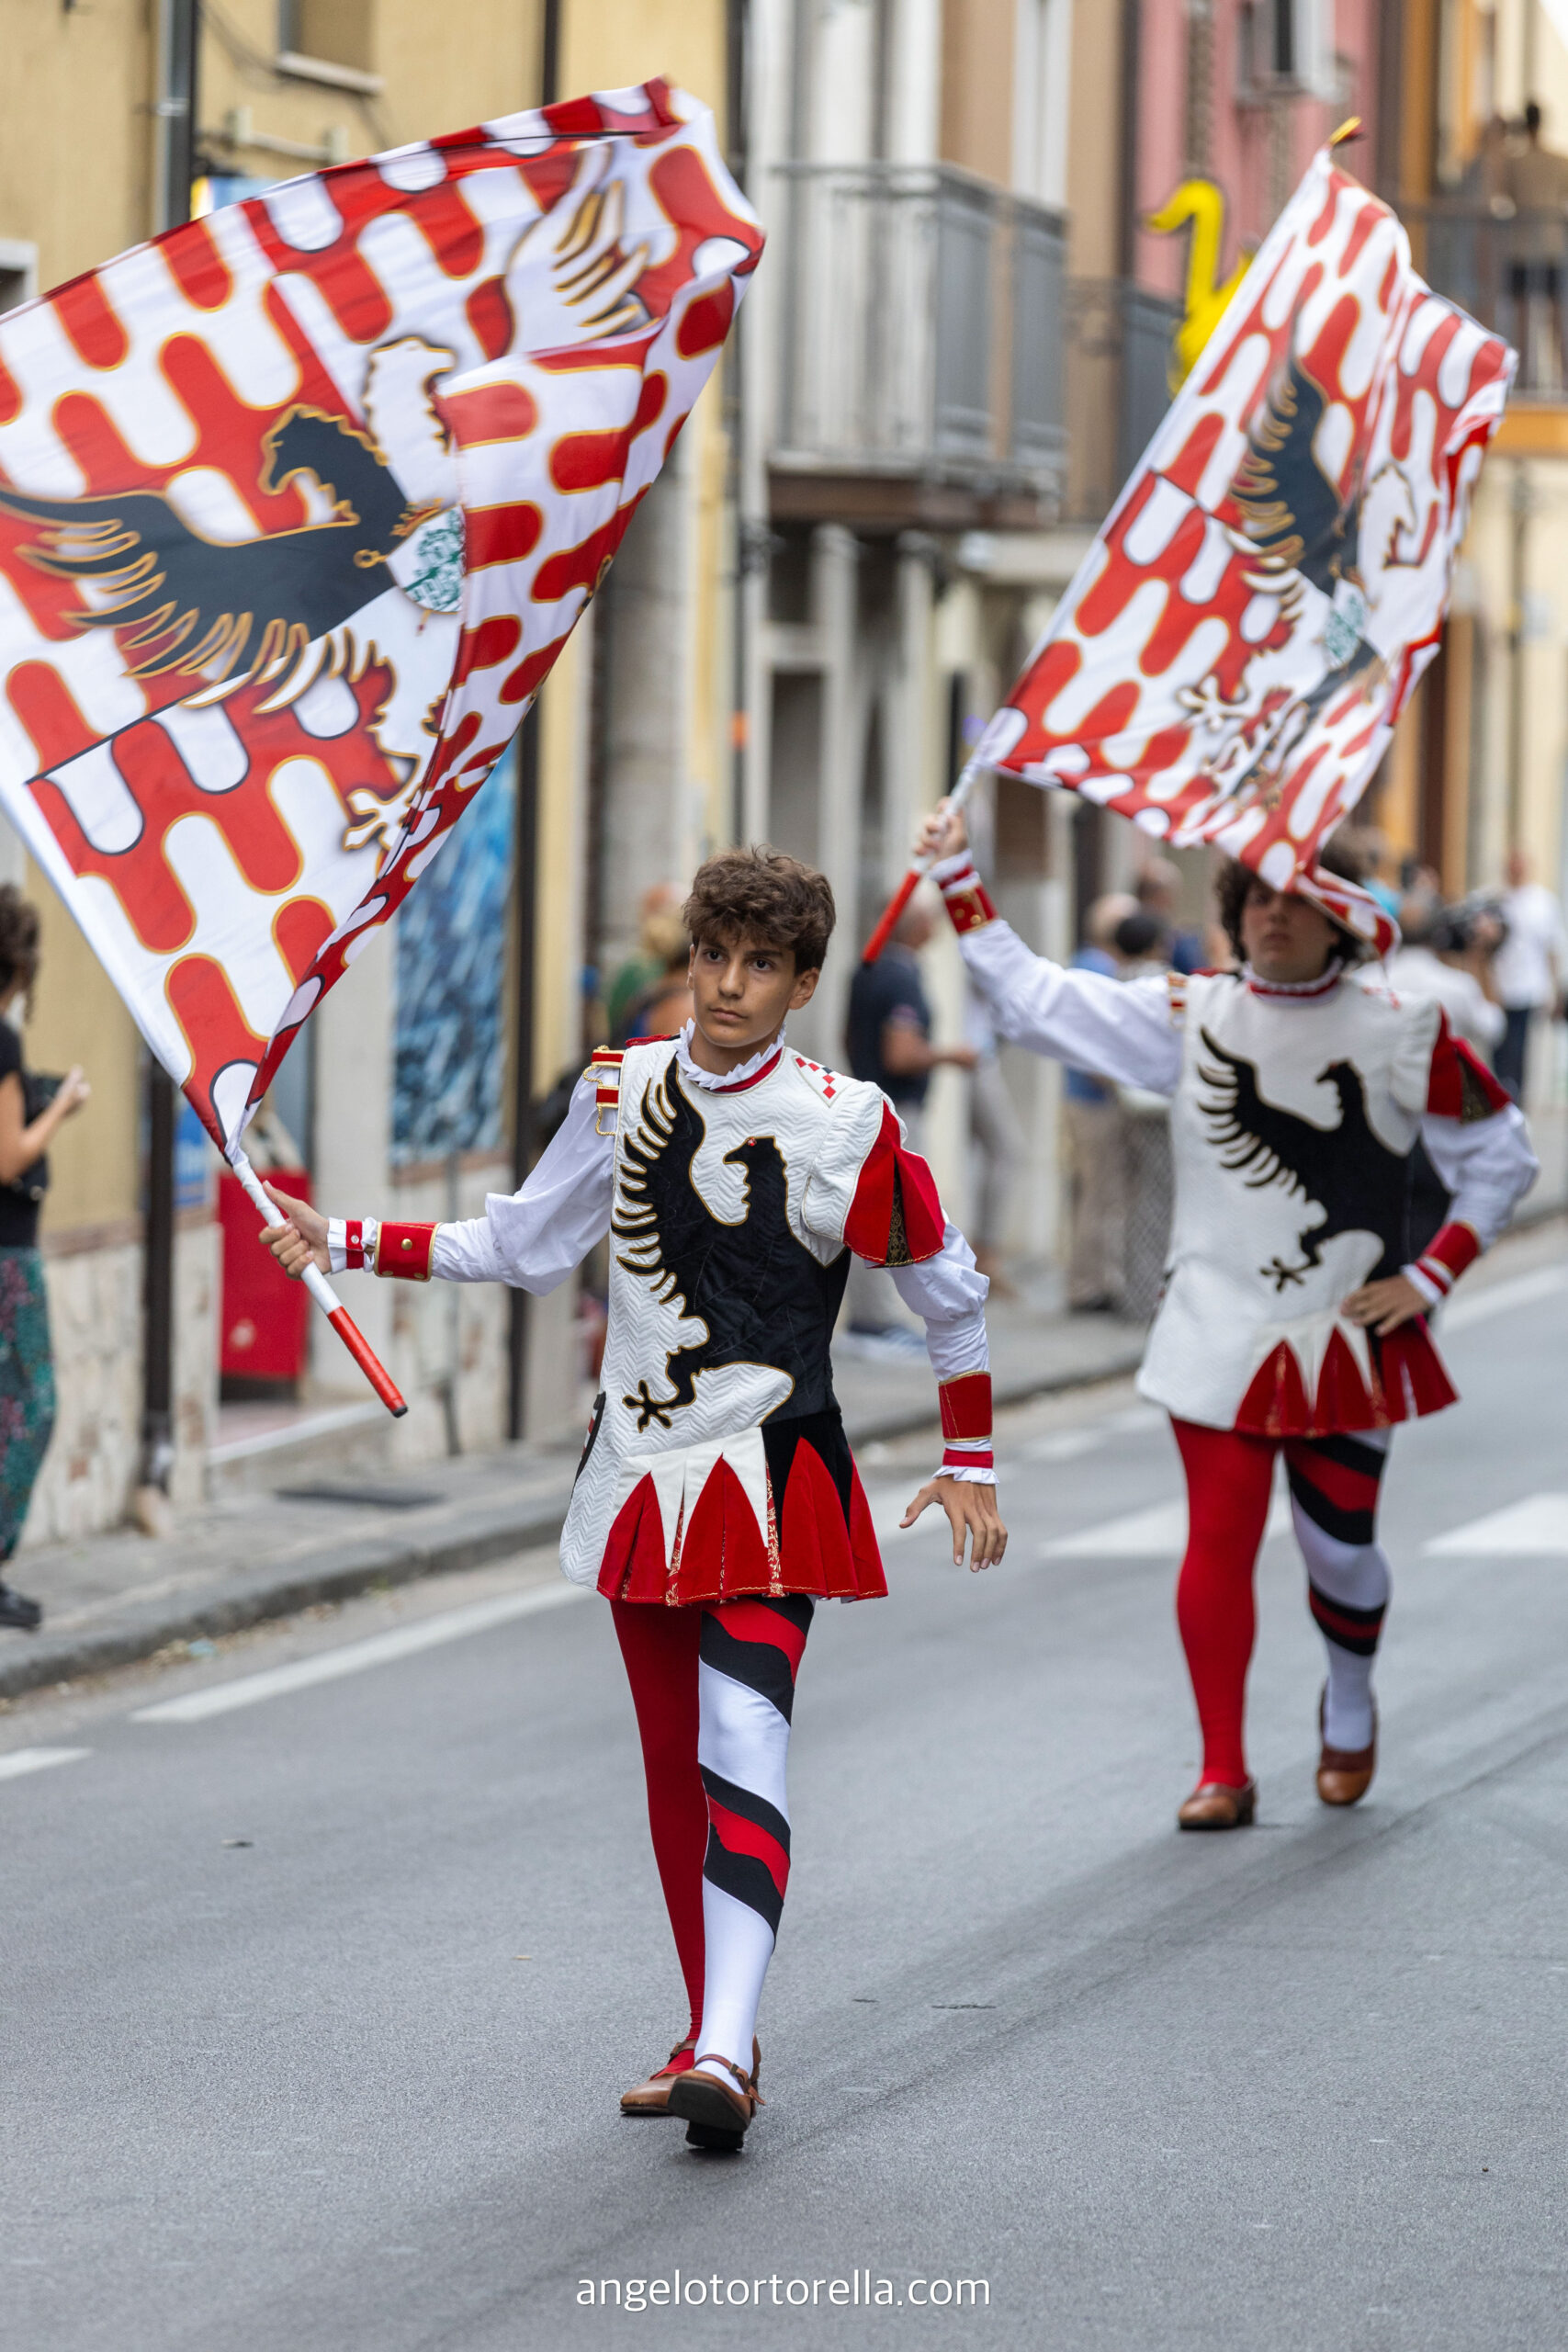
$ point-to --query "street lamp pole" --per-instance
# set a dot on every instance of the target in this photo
(175, 111)
(525, 854)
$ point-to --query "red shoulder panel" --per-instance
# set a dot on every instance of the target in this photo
(1461, 1087)
(896, 1217)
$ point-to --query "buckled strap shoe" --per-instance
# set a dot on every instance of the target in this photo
(652, 2097)
(1214, 1805)
(715, 2117)
(1345, 1774)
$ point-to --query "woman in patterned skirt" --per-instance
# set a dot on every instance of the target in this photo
(27, 1366)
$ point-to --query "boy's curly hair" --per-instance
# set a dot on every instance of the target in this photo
(1233, 881)
(761, 894)
(18, 942)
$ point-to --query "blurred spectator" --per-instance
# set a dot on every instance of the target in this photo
(665, 1006)
(999, 1141)
(1143, 949)
(1158, 888)
(1096, 1203)
(31, 1108)
(888, 1040)
(661, 935)
(1535, 179)
(1529, 966)
(1433, 960)
(1367, 852)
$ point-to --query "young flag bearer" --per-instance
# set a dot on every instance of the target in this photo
(1294, 1310)
(716, 1501)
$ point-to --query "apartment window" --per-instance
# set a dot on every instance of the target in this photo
(18, 272)
(336, 34)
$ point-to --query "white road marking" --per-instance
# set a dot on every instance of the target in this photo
(38, 1760)
(1150, 1535)
(1536, 1526)
(1062, 1445)
(353, 1658)
(1503, 1298)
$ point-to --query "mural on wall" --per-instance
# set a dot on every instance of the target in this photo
(449, 1043)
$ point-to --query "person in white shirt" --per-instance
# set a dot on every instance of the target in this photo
(1529, 967)
(1418, 969)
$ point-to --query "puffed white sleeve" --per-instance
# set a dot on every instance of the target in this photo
(1479, 1144)
(948, 1292)
(871, 1191)
(532, 1240)
(1129, 1031)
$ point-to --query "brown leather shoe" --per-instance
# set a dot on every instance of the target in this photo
(716, 2115)
(652, 2097)
(1213, 1805)
(1345, 1774)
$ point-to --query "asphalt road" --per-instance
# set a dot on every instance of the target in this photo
(350, 2085)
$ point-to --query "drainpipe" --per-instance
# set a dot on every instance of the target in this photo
(525, 859)
(175, 155)
(1520, 503)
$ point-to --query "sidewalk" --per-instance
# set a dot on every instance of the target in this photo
(249, 1557)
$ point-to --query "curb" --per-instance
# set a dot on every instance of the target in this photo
(336, 1572)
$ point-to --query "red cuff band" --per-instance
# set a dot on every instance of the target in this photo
(1446, 1257)
(966, 900)
(979, 1457)
(353, 1244)
(966, 1406)
(403, 1251)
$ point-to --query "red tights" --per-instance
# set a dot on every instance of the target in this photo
(1229, 1481)
(659, 1647)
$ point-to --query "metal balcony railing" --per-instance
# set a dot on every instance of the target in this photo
(1509, 270)
(921, 313)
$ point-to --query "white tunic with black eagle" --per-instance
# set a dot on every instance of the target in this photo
(715, 1463)
(1295, 1116)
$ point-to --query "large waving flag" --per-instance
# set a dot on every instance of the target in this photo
(297, 506)
(1228, 664)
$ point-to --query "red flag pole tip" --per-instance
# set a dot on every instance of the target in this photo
(365, 1356)
(1349, 128)
(326, 1298)
(918, 869)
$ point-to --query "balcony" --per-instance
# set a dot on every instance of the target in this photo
(920, 376)
(1496, 263)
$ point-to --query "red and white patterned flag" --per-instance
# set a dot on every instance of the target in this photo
(297, 506)
(1232, 655)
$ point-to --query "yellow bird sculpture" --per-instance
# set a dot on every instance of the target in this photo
(1200, 205)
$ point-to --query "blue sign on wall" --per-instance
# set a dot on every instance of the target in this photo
(449, 1049)
(196, 1161)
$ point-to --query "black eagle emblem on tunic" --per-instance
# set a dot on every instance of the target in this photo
(759, 1292)
(226, 609)
(1345, 1171)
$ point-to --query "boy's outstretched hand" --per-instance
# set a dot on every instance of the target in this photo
(972, 1513)
(299, 1242)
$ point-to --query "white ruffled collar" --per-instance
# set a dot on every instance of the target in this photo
(712, 1081)
(1301, 991)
